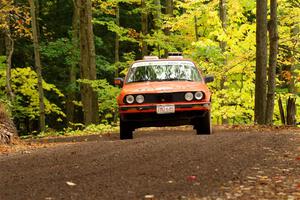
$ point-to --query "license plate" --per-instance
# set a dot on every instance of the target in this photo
(165, 109)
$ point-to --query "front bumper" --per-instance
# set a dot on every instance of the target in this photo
(146, 116)
(151, 108)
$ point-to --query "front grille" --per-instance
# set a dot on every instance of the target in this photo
(164, 97)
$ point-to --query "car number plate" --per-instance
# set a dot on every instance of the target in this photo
(165, 109)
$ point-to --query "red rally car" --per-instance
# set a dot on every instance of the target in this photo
(164, 92)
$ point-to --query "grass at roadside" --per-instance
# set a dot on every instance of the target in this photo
(92, 129)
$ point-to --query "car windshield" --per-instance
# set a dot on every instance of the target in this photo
(163, 71)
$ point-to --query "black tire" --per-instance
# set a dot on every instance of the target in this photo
(203, 125)
(125, 130)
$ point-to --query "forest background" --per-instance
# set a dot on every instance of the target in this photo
(219, 35)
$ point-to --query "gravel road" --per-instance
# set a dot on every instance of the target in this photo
(159, 164)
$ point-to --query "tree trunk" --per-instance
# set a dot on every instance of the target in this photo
(144, 21)
(293, 58)
(157, 20)
(223, 44)
(157, 14)
(38, 66)
(291, 112)
(87, 63)
(117, 42)
(196, 28)
(2, 43)
(37, 14)
(7, 127)
(261, 61)
(169, 7)
(223, 18)
(273, 37)
(9, 43)
(281, 110)
(170, 12)
(71, 96)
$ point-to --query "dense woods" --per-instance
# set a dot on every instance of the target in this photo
(58, 58)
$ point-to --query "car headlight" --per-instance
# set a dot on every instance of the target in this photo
(199, 95)
(140, 98)
(129, 99)
(189, 96)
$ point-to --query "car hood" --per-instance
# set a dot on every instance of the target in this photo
(163, 87)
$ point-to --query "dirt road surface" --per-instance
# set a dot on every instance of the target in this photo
(159, 164)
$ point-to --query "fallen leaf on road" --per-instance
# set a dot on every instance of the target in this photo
(263, 180)
(70, 183)
(26, 152)
(285, 170)
(182, 197)
(191, 178)
(252, 178)
(298, 158)
(149, 196)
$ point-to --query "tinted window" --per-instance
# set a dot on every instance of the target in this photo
(163, 71)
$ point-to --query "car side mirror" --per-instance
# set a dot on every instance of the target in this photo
(209, 78)
(119, 82)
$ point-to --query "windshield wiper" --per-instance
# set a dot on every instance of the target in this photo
(177, 79)
(137, 81)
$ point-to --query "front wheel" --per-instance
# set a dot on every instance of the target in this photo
(203, 125)
(125, 130)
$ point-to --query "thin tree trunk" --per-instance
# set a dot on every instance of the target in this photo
(169, 7)
(117, 42)
(144, 22)
(196, 28)
(281, 110)
(291, 111)
(292, 85)
(71, 96)
(87, 63)
(157, 14)
(37, 14)
(157, 20)
(9, 52)
(223, 44)
(170, 12)
(273, 37)
(261, 61)
(38, 66)
(223, 18)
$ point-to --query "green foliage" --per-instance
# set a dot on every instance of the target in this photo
(122, 32)
(24, 86)
(2, 81)
(63, 50)
(108, 107)
(93, 130)
(100, 129)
